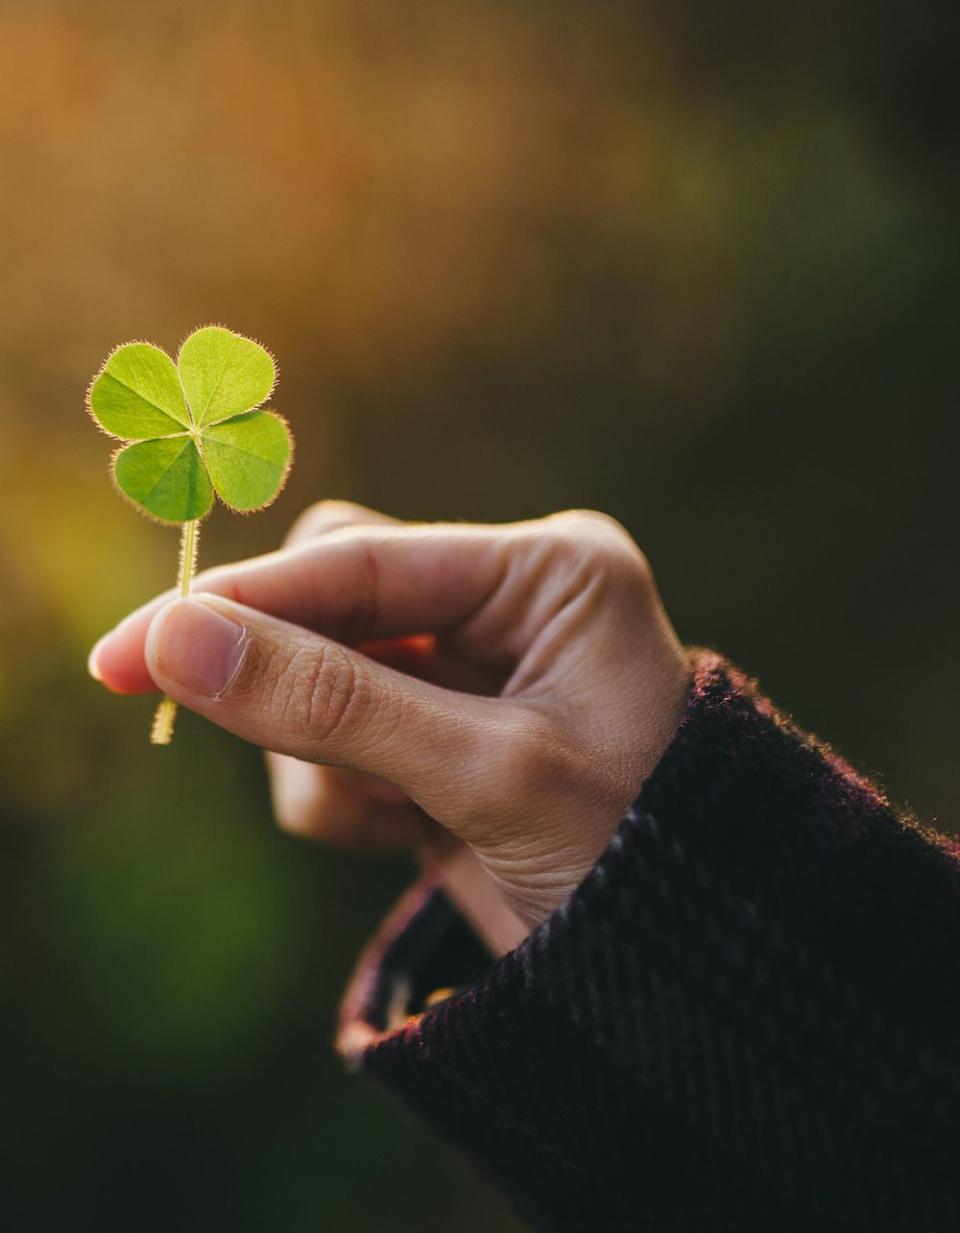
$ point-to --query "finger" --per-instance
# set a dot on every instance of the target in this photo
(339, 807)
(342, 808)
(124, 674)
(331, 515)
(353, 584)
(422, 656)
(351, 810)
(294, 692)
(356, 811)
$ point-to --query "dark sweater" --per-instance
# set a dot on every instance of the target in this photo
(746, 1017)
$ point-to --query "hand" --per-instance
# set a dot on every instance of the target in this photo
(514, 684)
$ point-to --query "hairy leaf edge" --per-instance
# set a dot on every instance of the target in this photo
(282, 483)
(131, 342)
(218, 325)
(142, 509)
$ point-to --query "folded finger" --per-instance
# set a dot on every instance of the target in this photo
(341, 808)
(353, 584)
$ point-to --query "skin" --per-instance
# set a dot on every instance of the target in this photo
(493, 697)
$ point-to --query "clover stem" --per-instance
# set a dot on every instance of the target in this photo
(163, 720)
(189, 544)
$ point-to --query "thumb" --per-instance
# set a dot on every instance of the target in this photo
(296, 692)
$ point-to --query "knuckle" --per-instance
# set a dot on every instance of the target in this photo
(591, 527)
(576, 529)
(333, 697)
(590, 535)
(323, 516)
(319, 693)
(629, 569)
(585, 520)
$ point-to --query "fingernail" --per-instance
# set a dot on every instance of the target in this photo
(92, 666)
(197, 646)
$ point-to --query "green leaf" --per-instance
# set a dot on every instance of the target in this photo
(248, 458)
(137, 394)
(223, 374)
(213, 392)
(166, 478)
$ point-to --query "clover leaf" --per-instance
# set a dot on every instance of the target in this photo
(195, 428)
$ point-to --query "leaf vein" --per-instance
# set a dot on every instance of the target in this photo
(216, 385)
(166, 471)
(143, 398)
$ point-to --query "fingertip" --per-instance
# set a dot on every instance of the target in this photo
(92, 666)
(117, 660)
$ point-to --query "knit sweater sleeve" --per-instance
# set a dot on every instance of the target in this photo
(746, 1017)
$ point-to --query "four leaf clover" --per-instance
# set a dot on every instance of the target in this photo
(194, 428)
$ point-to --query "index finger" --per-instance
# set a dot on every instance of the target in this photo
(354, 584)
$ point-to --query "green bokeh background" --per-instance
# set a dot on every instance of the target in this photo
(692, 263)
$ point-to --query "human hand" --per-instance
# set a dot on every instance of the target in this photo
(516, 684)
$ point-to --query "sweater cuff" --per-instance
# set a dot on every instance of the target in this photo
(741, 1018)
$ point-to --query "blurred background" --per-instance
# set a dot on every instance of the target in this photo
(692, 263)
